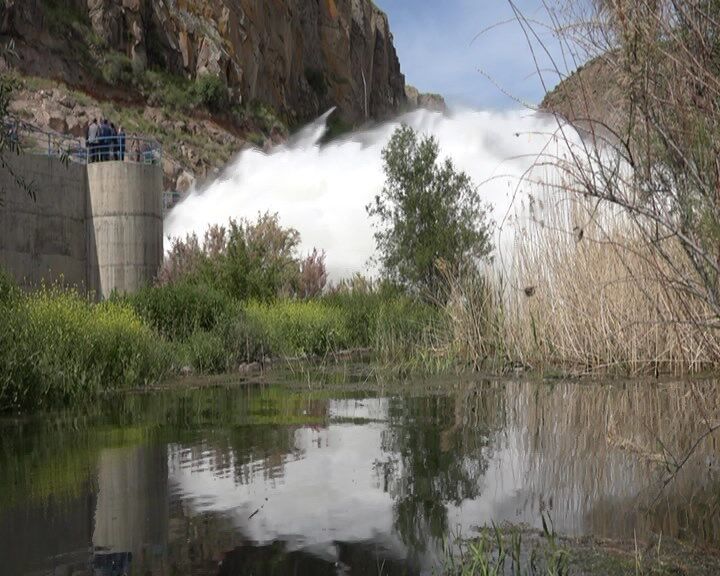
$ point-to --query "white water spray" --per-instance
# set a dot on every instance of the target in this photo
(323, 190)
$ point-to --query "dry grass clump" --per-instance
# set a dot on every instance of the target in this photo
(590, 294)
(474, 307)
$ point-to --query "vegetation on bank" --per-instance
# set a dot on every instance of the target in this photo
(520, 551)
(619, 265)
(57, 348)
(242, 295)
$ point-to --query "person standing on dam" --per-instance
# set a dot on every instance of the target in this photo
(121, 144)
(91, 140)
(114, 143)
(104, 141)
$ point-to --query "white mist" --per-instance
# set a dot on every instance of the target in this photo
(323, 191)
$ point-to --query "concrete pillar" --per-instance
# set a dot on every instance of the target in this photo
(125, 226)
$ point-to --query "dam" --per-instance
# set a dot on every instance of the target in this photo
(67, 220)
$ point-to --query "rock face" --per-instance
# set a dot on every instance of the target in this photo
(416, 99)
(590, 98)
(298, 56)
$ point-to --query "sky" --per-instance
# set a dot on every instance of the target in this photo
(440, 50)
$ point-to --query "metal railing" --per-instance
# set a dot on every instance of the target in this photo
(128, 148)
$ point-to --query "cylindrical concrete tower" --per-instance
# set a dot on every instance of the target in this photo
(124, 226)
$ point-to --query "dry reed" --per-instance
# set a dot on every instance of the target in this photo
(591, 294)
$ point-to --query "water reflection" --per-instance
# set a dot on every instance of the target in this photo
(276, 481)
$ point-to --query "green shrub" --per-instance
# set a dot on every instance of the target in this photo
(211, 92)
(207, 353)
(398, 328)
(249, 260)
(362, 308)
(301, 328)
(176, 311)
(56, 348)
(167, 90)
(118, 69)
(404, 329)
(264, 117)
(245, 339)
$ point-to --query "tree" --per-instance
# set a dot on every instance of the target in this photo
(428, 214)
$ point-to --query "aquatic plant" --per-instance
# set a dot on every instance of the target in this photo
(178, 310)
(296, 328)
(603, 301)
(56, 348)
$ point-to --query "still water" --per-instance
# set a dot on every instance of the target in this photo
(337, 480)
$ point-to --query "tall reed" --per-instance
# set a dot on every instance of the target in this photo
(588, 293)
(580, 291)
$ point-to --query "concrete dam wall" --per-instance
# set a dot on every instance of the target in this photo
(97, 227)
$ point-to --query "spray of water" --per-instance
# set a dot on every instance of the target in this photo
(323, 190)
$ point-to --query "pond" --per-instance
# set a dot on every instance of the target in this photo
(350, 478)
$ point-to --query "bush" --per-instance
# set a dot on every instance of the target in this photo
(207, 353)
(249, 261)
(405, 329)
(313, 275)
(245, 339)
(118, 69)
(56, 348)
(166, 90)
(177, 311)
(301, 328)
(264, 117)
(211, 92)
(362, 304)
(397, 327)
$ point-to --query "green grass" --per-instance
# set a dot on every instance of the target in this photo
(57, 349)
(295, 328)
(178, 311)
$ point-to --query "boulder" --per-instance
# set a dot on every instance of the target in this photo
(184, 182)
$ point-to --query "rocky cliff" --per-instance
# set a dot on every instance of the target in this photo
(590, 98)
(299, 57)
(205, 77)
